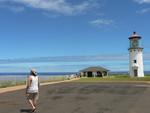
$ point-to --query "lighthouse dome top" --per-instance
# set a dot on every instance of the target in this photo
(134, 35)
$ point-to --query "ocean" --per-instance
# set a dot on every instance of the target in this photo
(46, 75)
(40, 73)
(60, 73)
(24, 76)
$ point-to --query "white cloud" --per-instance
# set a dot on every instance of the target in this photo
(65, 59)
(115, 62)
(13, 8)
(142, 1)
(71, 58)
(59, 6)
(102, 22)
(17, 9)
(143, 11)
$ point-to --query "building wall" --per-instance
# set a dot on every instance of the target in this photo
(94, 73)
(136, 54)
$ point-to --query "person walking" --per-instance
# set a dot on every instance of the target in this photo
(32, 89)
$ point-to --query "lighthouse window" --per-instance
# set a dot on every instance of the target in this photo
(134, 61)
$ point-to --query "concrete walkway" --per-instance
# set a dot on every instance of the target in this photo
(82, 97)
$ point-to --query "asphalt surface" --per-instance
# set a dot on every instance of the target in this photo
(82, 97)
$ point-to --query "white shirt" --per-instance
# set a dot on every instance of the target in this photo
(33, 88)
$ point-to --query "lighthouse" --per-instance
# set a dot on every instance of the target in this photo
(135, 56)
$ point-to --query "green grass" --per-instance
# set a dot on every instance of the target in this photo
(9, 83)
(117, 78)
(53, 79)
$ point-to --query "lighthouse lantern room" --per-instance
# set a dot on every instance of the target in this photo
(136, 56)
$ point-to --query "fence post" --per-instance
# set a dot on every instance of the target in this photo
(15, 80)
(27, 79)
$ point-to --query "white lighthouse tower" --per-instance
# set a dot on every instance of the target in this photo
(136, 56)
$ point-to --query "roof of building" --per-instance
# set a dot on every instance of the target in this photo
(134, 36)
(94, 69)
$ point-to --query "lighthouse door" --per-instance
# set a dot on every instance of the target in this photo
(135, 73)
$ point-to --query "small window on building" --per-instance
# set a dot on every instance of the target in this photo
(135, 61)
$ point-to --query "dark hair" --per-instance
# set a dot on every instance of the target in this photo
(33, 73)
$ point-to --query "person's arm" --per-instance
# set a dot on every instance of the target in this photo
(29, 82)
(38, 82)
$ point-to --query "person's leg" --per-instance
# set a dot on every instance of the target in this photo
(31, 103)
(36, 96)
(35, 102)
(30, 97)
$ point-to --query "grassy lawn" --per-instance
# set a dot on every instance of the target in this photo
(9, 83)
(117, 78)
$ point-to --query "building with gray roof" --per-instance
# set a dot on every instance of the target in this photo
(94, 72)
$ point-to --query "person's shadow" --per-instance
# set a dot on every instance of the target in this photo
(25, 110)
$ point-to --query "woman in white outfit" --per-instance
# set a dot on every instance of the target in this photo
(32, 89)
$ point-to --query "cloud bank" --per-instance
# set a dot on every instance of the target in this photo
(146, 56)
(65, 59)
(102, 22)
(142, 1)
(13, 8)
(143, 11)
(116, 62)
(59, 6)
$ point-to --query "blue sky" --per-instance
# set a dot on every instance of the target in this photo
(69, 35)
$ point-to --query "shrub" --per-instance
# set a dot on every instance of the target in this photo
(6, 84)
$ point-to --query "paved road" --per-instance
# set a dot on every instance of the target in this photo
(83, 97)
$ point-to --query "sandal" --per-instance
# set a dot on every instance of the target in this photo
(33, 110)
